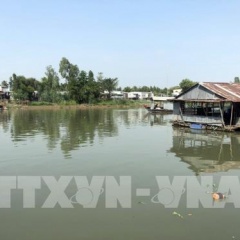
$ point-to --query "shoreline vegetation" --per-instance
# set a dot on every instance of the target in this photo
(118, 103)
(73, 88)
(68, 84)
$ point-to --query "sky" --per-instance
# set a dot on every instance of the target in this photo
(140, 42)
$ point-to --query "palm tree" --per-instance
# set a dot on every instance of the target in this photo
(109, 84)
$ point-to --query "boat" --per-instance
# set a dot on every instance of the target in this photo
(156, 109)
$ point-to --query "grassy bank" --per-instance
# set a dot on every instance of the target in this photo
(116, 103)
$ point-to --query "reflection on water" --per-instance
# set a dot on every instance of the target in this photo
(71, 128)
(4, 120)
(207, 151)
(158, 118)
(109, 142)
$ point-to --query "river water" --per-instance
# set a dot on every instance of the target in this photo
(115, 174)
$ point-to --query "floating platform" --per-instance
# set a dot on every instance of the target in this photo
(202, 126)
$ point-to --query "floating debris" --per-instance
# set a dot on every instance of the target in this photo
(177, 214)
(218, 196)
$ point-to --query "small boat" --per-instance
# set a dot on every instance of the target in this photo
(156, 109)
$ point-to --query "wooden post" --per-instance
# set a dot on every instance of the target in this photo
(231, 114)
(181, 113)
(220, 107)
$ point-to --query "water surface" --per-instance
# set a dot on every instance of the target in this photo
(115, 143)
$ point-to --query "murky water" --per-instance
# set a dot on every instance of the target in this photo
(130, 156)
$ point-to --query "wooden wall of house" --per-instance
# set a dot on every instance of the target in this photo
(176, 106)
(236, 115)
(198, 92)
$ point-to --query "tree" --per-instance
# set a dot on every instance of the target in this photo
(93, 88)
(109, 84)
(236, 80)
(70, 73)
(50, 86)
(23, 88)
(4, 84)
(135, 88)
(165, 91)
(81, 86)
(127, 89)
(144, 89)
(185, 84)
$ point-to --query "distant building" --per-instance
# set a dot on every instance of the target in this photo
(176, 92)
(117, 95)
(4, 93)
(114, 94)
(164, 102)
(128, 95)
(138, 95)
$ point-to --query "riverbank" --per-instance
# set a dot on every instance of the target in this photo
(103, 104)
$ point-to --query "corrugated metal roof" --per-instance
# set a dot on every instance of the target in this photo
(229, 91)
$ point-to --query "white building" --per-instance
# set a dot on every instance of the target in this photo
(139, 95)
(176, 92)
(114, 94)
(164, 102)
(4, 92)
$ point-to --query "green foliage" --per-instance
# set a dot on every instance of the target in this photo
(236, 80)
(70, 73)
(80, 85)
(68, 103)
(108, 84)
(20, 95)
(185, 84)
(127, 89)
(40, 103)
(155, 90)
(23, 88)
(93, 88)
(49, 88)
(4, 84)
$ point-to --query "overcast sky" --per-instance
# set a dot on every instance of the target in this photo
(141, 42)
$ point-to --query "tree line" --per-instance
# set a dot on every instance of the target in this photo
(79, 86)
